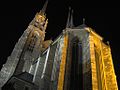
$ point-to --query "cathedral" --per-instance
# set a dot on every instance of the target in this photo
(77, 59)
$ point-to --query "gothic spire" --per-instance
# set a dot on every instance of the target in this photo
(68, 20)
(69, 23)
(42, 11)
(71, 20)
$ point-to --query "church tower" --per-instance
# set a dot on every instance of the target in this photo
(27, 49)
(86, 61)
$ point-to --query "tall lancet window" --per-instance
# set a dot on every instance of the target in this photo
(76, 65)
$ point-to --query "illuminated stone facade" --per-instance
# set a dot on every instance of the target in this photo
(76, 60)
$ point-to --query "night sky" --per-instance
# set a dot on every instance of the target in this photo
(15, 16)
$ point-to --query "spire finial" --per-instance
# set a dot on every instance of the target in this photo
(42, 11)
(83, 21)
(70, 19)
(108, 42)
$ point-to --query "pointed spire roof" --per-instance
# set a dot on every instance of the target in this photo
(68, 20)
(69, 23)
(71, 19)
(42, 11)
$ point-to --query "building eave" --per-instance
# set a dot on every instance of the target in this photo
(90, 30)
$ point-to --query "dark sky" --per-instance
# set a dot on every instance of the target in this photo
(103, 16)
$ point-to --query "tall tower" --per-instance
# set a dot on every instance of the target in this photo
(27, 49)
(86, 61)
